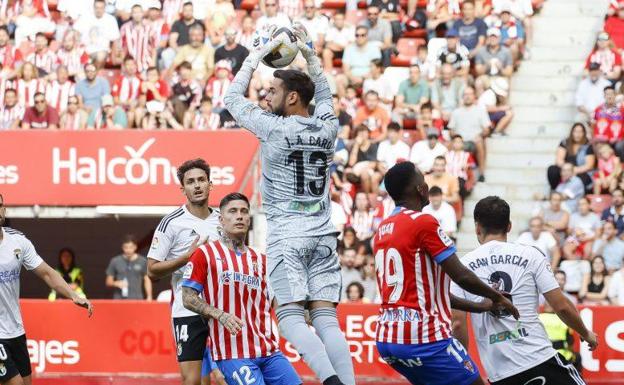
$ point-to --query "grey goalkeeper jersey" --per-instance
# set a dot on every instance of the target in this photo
(296, 153)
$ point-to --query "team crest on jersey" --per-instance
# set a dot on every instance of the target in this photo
(444, 238)
(220, 231)
(188, 271)
(3, 370)
(469, 366)
(17, 253)
(155, 243)
(179, 349)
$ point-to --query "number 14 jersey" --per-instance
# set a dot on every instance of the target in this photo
(415, 307)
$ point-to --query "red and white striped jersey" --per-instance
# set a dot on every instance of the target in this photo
(171, 10)
(216, 90)
(74, 60)
(126, 88)
(58, 94)
(10, 115)
(45, 61)
(160, 28)
(363, 223)
(206, 123)
(415, 302)
(5, 84)
(458, 162)
(139, 41)
(236, 284)
(73, 121)
(26, 90)
(9, 56)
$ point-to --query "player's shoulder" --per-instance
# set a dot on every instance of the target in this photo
(166, 221)
(419, 218)
(15, 234)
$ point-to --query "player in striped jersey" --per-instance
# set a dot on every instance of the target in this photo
(139, 40)
(415, 261)
(175, 240)
(234, 282)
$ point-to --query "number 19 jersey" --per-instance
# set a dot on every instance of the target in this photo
(415, 308)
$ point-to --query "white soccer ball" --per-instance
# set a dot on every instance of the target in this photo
(285, 53)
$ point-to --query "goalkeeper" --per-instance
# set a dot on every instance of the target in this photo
(297, 149)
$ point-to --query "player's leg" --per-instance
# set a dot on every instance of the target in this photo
(277, 370)
(210, 373)
(325, 285)
(241, 372)
(555, 371)
(15, 362)
(288, 277)
(190, 334)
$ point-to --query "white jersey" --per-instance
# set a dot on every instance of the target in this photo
(173, 238)
(15, 251)
(506, 346)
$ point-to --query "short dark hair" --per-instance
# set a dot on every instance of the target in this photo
(440, 157)
(38, 93)
(435, 191)
(99, 1)
(10, 90)
(361, 128)
(427, 106)
(399, 177)
(609, 87)
(377, 62)
(457, 136)
(41, 34)
(394, 126)
(359, 287)
(371, 92)
(153, 68)
(129, 238)
(187, 3)
(191, 164)
(235, 196)
(492, 213)
(185, 65)
(560, 272)
(5, 29)
(299, 82)
(129, 57)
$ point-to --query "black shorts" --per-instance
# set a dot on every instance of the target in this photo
(552, 372)
(191, 334)
(14, 358)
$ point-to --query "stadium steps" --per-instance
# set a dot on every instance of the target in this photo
(542, 96)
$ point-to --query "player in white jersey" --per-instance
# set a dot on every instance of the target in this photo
(17, 251)
(297, 149)
(176, 238)
(516, 352)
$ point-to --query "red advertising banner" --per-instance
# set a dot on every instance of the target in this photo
(90, 168)
(135, 337)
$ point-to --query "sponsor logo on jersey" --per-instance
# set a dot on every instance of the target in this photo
(228, 277)
(444, 238)
(9, 275)
(155, 243)
(508, 335)
(188, 270)
(399, 315)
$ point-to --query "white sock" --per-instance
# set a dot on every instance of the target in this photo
(325, 322)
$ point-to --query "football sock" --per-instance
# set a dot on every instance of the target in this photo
(325, 322)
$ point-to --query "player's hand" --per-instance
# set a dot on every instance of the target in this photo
(592, 340)
(263, 44)
(304, 42)
(231, 322)
(216, 377)
(486, 305)
(83, 302)
(503, 303)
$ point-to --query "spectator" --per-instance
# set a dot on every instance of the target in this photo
(614, 26)
(369, 280)
(108, 116)
(512, 33)
(179, 35)
(442, 211)
(203, 118)
(374, 116)
(71, 273)
(348, 270)
(338, 37)
(157, 24)
(379, 32)
(218, 85)
(413, 93)
(616, 287)
(555, 217)
(138, 40)
(245, 35)
(609, 169)
(355, 294)
(610, 61)
(471, 29)
(494, 59)
(455, 54)
(472, 122)
(595, 286)
(127, 272)
(315, 23)
(350, 240)
(363, 159)
(522, 10)
(425, 121)
(91, 89)
(198, 54)
(220, 15)
(41, 116)
(344, 119)
(615, 213)
(575, 269)
(74, 117)
(362, 219)
(32, 17)
(609, 121)
(59, 90)
(72, 55)
(610, 247)
(542, 240)
(356, 61)
(571, 187)
(186, 93)
(11, 113)
(494, 100)
(42, 57)
(10, 55)
(28, 84)
(231, 51)
(577, 150)
(582, 229)
(98, 31)
(424, 152)
(446, 182)
(459, 163)
(447, 91)
(127, 88)
(271, 16)
(379, 83)
(158, 117)
(560, 277)
(590, 92)
(392, 150)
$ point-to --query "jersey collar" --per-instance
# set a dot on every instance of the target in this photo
(397, 210)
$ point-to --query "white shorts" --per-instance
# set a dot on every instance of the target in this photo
(305, 269)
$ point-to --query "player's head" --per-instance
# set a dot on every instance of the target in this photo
(235, 216)
(406, 186)
(2, 210)
(491, 216)
(129, 245)
(195, 184)
(290, 91)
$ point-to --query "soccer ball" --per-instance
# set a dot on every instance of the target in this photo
(285, 53)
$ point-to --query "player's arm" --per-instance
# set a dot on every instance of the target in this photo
(567, 312)
(55, 282)
(157, 266)
(470, 306)
(247, 114)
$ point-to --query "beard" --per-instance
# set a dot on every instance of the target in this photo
(279, 110)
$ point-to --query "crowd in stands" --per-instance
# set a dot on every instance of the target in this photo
(581, 226)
